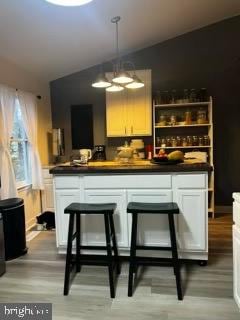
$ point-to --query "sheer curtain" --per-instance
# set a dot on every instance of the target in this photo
(28, 105)
(7, 107)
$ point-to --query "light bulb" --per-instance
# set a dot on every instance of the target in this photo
(69, 3)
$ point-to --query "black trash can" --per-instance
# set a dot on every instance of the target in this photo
(12, 211)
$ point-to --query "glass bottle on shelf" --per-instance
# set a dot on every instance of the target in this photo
(173, 120)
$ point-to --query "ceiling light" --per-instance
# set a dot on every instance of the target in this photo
(69, 3)
(120, 76)
(114, 88)
(101, 82)
(135, 84)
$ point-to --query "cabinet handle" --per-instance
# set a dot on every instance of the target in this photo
(125, 130)
(131, 129)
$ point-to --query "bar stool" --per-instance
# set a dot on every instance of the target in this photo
(170, 209)
(107, 210)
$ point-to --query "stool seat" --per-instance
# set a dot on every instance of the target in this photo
(90, 208)
(157, 208)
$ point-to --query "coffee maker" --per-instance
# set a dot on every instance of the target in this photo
(99, 153)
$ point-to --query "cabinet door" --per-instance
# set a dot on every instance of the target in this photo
(139, 107)
(93, 225)
(62, 200)
(152, 229)
(192, 220)
(47, 196)
(236, 264)
(116, 114)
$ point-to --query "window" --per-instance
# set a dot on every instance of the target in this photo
(19, 149)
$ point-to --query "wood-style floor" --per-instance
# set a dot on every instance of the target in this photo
(38, 277)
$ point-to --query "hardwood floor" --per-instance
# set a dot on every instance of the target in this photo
(38, 277)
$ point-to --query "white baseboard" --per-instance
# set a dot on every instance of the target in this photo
(223, 209)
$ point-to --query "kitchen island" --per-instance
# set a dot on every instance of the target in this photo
(185, 184)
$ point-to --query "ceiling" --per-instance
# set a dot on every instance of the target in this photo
(52, 41)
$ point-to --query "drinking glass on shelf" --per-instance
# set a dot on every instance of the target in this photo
(158, 141)
(200, 141)
(173, 142)
(163, 143)
(178, 141)
(168, 142)
(194, 140)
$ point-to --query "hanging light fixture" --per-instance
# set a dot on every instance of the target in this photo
(69, 3)
(121, 78)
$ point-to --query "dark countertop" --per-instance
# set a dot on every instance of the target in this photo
(130, 169)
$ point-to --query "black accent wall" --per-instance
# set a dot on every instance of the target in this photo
(208, 57)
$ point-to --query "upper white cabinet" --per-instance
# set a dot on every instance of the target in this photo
(129, 112)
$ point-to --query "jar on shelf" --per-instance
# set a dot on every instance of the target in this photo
(184, 142)
(188, 117)
(185, 96)
(200, 141)
(189, 141)
(193, 96)
(206, 140)
(179, 141)
(174, 142)
(158, 141)
(163, 143)
(168, 142)
(173, 120)
(201, 116)
(173, 96)
(194, 140)
(162, 120)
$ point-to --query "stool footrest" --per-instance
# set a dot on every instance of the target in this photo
(93, 247)
(96, 260)
(152, 261)
(138, 247)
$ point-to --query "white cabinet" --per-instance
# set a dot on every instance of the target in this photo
(236, 248)
(192, 220)
(153, 230)
(129, 112)
(93, 225)
(47, 194)
(64, 198)
(236, 264)
(188, 190)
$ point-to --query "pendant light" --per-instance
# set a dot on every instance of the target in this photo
(121, 77)
(69, 3)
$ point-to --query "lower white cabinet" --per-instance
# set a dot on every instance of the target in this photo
(192, 223)
(92, 226)
(64, 198)
(153, 229)
(47, 194)
(236, 264)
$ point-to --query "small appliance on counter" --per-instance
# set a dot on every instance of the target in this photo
(125, 153)
(99, 153)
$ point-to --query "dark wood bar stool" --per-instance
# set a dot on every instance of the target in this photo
(112, 261)
(170, 209)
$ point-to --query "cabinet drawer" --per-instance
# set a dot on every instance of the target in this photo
(128, 181)
(191, 181)
(67, 182)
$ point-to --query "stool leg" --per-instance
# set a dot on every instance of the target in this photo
(78, 240)
(132, 254)
(69, 255)
(109, 255)
(114, 243)
(175, 256)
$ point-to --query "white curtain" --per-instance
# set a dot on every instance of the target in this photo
(7, 107)
(28, 105)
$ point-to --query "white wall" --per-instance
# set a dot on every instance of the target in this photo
(16, 77)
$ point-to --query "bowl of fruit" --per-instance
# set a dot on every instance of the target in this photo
(162, 157)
